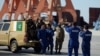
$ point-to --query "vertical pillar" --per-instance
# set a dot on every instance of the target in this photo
(50, 7)
(28, 5)
(20, 8)
(70, 8)
(59, 11)
(39, 8)
(11, 7)
(4, 8)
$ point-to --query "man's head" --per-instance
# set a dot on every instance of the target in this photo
(48, 26)
(43, 26)
(74, 24)
(86, 27)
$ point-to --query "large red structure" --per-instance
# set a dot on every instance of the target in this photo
(35, 7)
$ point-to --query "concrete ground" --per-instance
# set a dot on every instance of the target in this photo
(95, 48)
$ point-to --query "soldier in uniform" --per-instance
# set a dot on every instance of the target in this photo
(31, 29)
(59, 38)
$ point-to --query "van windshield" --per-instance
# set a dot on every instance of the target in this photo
(6, 26)
(1, 25)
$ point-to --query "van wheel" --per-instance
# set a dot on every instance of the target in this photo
(14, 46)
(9, 48)
(26, 47)
(37, 48)
(19, 48)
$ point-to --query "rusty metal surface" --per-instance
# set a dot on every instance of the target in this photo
(35, 7)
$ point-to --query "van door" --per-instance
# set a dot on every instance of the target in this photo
(1, 24)
(5, 34)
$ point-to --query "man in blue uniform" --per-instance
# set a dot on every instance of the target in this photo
(50, 34)
(86, 38)
(73, 39)
(42, 35)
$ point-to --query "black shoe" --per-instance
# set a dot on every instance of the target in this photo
(51, 53)
(59, 52)
(56, 52)
(48, 48)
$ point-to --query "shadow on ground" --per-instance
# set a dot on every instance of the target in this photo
(25, 52)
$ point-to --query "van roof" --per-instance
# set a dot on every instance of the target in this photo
(11, 20)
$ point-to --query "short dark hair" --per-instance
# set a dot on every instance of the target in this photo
(75, 24)
(49, 25)
(86, 27)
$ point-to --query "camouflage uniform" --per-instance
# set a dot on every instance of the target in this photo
(59, 38)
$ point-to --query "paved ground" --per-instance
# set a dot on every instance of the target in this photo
(95, 48)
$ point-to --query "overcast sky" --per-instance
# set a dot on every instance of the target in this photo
(82, 5)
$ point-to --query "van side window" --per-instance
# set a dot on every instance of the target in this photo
(6, 27)
(1, 25)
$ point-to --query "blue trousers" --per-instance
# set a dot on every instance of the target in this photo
(86, 51)
(70, 50)
(51, 46)
(44, 46)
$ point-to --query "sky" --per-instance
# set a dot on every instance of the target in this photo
(82, 5)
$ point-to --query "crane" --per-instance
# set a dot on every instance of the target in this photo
(35, 7)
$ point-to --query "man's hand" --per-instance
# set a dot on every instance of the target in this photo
(40, 40)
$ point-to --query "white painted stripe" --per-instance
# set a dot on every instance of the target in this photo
(15, 26)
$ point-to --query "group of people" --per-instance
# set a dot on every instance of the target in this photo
(39, 30)
(74, 33)
(45, 33)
